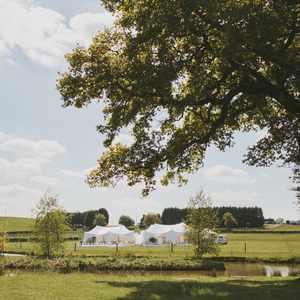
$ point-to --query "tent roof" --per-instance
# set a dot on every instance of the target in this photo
(101, 230)
(161, 229)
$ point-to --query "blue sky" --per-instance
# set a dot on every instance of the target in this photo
(43, 146)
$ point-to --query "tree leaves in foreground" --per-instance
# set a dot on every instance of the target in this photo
(50, 226)
(181, 76)
(202, 221)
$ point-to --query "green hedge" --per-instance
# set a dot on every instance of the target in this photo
(111, 264)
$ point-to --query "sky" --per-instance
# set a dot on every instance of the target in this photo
(44, 147)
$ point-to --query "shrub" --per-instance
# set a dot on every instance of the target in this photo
(153, 240)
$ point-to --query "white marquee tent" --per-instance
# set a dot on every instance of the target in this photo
(164, 234)
(100, 235)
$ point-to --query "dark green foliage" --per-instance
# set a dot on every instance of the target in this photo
(244, 216)
(99, 220)
(183, 76)
(87, 218)
(173, 215)
(153, 240)
(126, 221)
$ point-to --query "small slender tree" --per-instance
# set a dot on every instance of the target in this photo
(100, 220)
(2, 239)
(229, 220)
(202, 221)
(50, 226)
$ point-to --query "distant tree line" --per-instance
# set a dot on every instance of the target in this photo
(244, 216)
(88, 219)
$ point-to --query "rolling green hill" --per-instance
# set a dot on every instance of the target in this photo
(16, 224)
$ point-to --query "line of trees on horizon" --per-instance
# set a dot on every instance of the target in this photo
(244, 216)
(89, 218)
(250, 217)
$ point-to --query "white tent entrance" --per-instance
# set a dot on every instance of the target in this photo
(108, 236)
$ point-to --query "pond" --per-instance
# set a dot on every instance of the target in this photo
(260, 269)
(233, 270)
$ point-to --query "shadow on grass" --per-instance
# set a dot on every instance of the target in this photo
(225, 290)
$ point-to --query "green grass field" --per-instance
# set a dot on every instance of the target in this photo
(54, 286)
(16, 224)
(287, 227)
(251, 245)
(265, 246)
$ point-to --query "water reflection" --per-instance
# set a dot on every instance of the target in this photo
(247, 269)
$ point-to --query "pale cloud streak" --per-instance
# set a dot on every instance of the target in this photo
(226, 174)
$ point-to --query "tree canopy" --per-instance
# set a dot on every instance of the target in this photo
(100, 220)
(149, 219)
(229, 220)
(181, 76)
(126, 221)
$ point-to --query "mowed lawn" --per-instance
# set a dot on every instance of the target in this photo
(16, 224)
(54, 286)
(260, 245)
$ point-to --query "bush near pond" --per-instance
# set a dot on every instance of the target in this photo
(69, 264)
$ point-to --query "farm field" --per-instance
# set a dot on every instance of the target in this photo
(16, 224)
(44, 286)
(251, 245)
(286, 227)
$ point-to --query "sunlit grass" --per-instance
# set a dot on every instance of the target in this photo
(46, 286)
(266, 245)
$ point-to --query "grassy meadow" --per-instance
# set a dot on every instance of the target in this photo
(54, 286)
(274, 241)
(16, 224)
(250, 245)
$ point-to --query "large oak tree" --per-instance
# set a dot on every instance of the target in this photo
(182, 76)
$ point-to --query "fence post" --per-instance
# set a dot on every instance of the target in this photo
(117, 248)
(245, 248)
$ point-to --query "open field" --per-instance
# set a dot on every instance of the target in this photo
(250, 245)
(16, 224)
(286, 227)
(45, 286)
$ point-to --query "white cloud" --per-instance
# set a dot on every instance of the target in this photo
(25, 170)
(30, 148)
(226, 174)
(20, 168)
(42, 34)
